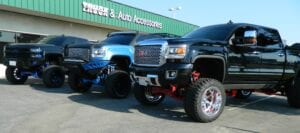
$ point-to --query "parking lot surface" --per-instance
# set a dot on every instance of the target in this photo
(32, 108)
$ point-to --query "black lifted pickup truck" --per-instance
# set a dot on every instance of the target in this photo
(40, 60)
(210, 62)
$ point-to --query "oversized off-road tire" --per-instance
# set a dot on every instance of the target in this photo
(13, 75)
(204, 100)
(76, 83)
(53, 76)
(118, 84)
(144, 96)
(293, 93)
(243, 94)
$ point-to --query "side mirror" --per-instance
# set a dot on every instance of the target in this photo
(108, 35)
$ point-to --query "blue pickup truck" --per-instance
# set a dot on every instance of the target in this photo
(106, 63)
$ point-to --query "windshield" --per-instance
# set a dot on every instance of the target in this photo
(52, 40)
(124, 39)
(218, 33)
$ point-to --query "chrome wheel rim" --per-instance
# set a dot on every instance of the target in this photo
(16, 74)
(245, 92)
(150, 97)
(211, 101)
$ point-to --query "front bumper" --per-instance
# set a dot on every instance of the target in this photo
(25, 63)
(178, 74)
(89, 66)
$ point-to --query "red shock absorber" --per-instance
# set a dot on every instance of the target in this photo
(172, 92)
(231, 93)
(195, 75)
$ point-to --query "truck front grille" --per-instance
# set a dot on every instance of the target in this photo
(17, 53)
(149, 55)
(79, 53)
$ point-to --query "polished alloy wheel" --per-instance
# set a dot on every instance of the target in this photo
(211, 101)
(245, 92)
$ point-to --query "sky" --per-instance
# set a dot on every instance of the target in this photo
(283, 15)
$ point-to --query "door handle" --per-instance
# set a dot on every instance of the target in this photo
(256, 52)
(280, 54)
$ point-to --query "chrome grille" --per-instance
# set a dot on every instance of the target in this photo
(147, 55)
(80, 53)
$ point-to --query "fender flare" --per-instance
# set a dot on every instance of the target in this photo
(212, 57)
(122, 56)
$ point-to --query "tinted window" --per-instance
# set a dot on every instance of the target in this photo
(52, 40)
(269, 38)
(155, 35)
(123, 39)
(27, 38)
(69, 40)
(81, 41)
(145, 37)
(219, 32)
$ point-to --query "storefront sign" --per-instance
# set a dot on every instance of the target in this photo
(107, 12)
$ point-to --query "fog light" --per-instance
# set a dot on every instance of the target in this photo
(171, 74)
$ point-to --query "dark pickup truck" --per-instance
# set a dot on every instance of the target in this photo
(210, 62)
(40, 60)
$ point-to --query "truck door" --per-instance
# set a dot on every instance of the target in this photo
(244, 58)
(273, 55)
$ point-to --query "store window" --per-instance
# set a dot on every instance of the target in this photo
(27, 38)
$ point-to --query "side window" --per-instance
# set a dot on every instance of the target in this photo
(80, 41)
(244, 36)
(69, 40)
(122, 39)
(269, 38)
(56, 40)
(145, 37)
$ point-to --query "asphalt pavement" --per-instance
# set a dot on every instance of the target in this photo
(33, 108)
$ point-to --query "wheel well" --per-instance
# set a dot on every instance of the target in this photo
(56, 59)
(298, 74)
(121, 61)
(210, 68)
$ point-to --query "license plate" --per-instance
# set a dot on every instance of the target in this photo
(12, 63)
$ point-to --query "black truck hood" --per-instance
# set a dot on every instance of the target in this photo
(28, 45)
(194, 41)
(178, 41)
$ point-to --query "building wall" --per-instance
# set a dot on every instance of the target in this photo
(116, 17)
(39, 25)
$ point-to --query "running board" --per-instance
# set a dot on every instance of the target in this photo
(248, 86)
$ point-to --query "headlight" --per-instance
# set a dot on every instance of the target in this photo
(36, 50)
(98, 52)
(176, 52)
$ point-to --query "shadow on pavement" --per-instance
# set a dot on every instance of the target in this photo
(41, 87)
(28, 82)
(3, 81)
(261, 102)
(173, 110)
(169, 109)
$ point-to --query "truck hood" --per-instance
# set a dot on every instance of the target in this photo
(90, 45)
(193, 41)
(177, 41)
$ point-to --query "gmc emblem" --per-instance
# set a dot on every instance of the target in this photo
(141, 53)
